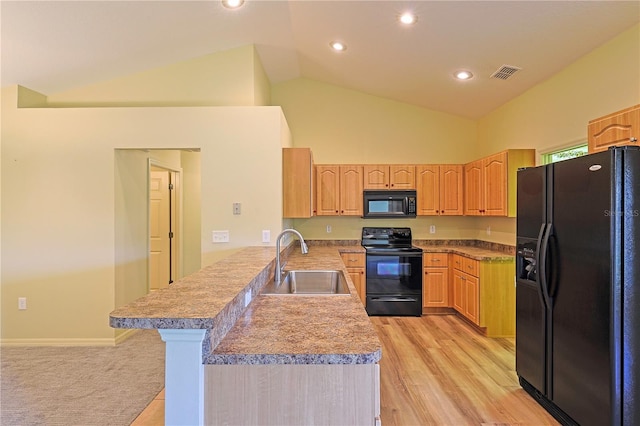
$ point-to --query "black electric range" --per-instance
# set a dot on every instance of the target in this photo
(393, 272)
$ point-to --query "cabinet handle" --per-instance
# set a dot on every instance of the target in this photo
(435, 260)
(633, 139)
(353, 260)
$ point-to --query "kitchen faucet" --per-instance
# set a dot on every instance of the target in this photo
(303, 247)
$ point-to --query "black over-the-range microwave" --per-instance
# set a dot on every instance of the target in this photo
(388, 203)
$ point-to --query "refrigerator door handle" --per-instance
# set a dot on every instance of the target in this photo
(543, 252)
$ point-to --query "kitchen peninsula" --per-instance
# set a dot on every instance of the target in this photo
(235, 356)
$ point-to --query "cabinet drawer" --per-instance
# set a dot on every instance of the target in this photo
(353, 260)
(458, 262)
(466, 265)
(435, 260)
(471, 266)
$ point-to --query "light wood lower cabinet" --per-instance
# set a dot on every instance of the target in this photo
(356, 267)
(435, 285)
(484, 293)
(292, 394)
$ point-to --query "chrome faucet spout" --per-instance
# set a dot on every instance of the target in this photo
(303, 247)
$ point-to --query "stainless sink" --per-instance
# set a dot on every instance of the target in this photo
(306, 282)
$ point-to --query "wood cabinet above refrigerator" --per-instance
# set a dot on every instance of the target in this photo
(615, 129)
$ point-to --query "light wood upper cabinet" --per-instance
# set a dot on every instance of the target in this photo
(297, 183)
(439, 189)
(385, 176)
(494, 174)
(328, 190)
(619, 128)
(473, 188)
(351, 190)
(339, 190)
(490, 183)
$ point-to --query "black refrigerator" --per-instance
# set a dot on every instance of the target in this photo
(578, 287)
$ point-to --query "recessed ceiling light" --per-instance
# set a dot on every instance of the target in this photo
(338, 46)
(232, 4)
(408, 18)
(463, 75)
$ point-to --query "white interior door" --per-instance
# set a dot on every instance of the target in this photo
(159, 229)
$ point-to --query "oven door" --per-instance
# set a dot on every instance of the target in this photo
(392, 273)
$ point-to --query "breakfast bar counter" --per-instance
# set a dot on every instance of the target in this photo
(219, 329)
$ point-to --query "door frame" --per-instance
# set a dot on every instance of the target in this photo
(176, 219)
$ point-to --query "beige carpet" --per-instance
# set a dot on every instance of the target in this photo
(82, 386)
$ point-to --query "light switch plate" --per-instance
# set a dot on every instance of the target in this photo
(236, 208)
(266, 236)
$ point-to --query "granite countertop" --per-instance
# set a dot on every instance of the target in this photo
(297, 329)
(313, 329)
(477, 253)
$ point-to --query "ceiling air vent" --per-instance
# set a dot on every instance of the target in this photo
(505, 71)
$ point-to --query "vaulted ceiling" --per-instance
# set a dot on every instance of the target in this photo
(52, 46)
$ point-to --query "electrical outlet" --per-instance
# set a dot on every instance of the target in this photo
(247, 298)
(432, 229)
(328, 229)
(22, 303)
(266, 236)
(220, 236)
(488, 230)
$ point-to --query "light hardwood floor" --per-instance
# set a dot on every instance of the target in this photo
(436, 370)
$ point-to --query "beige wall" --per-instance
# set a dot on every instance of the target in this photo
(343, 126)
(59, 166)
(556, 112)
(347, 126)
(232, 77)
(59, 248)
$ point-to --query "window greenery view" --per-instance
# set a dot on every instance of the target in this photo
(565, 154)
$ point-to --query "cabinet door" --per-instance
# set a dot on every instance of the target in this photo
(474, 193)
(357, 276)
(494, 170)
(402, 177)
(472, 299)
(619, 128)
(428, 189)
(451, 189)
(376, 176)
(435, 288)
(328, 190)
(355, 263)
(297, 183)
(459, 295)
(351, 190)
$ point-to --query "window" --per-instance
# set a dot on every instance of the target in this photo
(564, 154)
